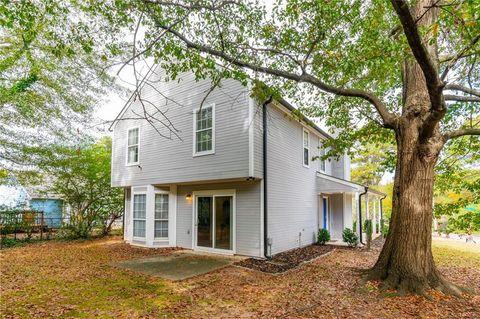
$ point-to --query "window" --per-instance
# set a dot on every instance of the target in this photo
(322, 164)
(132, 146)
(161, 216)
(306, 148)
(204, 138)
(139, 215)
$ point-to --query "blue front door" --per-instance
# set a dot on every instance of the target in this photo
(325, 212)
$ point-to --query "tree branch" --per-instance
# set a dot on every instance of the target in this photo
(461, 98)
(388, 118)
(420, 52)
(457, 87)
(192, 6)
(460, 55)
(461, 132)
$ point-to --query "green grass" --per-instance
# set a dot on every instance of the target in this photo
(456, 252)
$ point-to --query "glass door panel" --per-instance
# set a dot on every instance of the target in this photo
(223, 222)
(204, 221)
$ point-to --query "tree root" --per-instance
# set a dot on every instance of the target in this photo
(414, 284)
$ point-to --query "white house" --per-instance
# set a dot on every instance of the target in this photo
(240, 178)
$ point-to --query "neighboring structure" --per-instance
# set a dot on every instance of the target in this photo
(242, 179)
(15, 196)
(48, 203)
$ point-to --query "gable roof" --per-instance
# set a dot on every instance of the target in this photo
(292, 109)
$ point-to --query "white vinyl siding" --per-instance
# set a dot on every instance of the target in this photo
(204, 130)
(132, 146)
(170, 161)
(306, 148)
(139, 215)
(161, 216)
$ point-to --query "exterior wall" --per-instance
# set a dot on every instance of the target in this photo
(127, 215)
(52, 209)
(165, 161)
(248, 219)
(348, 211)
(291, 187)
(336, 216)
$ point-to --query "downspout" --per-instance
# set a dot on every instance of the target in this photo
(382, 222)
(124, 212)
(265, 206)
(360, 214)
(381, 207)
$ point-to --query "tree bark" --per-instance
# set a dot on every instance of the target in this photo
(406, 261)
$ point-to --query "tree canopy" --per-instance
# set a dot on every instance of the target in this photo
(53, 56)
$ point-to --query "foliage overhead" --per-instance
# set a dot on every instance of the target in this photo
(53, 56)
(306, 50)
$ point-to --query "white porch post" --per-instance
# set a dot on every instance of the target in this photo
(380, 217)
(367, 208)
(374, 219)
(359, 226)
(149, 216)
(172, 216)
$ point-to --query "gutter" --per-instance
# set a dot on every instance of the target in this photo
(265, 206)
(360, 214)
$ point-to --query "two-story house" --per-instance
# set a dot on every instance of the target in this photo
(238, 179)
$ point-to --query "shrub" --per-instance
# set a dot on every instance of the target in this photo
(323, 236)
(8, 242)
(350, 237)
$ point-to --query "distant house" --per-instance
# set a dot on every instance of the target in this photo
(243, 179)
(50, 204)
(15, 196)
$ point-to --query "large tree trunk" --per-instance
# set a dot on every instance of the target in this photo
(406, 262)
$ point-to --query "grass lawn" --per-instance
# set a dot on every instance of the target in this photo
(75, 280)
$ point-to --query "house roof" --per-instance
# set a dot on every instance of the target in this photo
(331, 184)
(292, 108)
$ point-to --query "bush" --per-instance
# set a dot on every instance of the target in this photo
(323, 236)
(350, 237)
(8, 242)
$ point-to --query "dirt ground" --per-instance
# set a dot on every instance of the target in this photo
(76, 280)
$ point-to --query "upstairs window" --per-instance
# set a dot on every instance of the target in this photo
(132, 146)
(322, 164)
(204, 124)
(306, 148)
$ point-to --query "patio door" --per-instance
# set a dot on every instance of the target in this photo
(214, 222)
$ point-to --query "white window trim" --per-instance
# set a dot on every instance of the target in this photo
(303, 148)
(138, 145)
(133, 215)
(214, 193)
(156, 239)
(212, 151)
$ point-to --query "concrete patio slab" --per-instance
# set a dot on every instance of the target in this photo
(177, 266)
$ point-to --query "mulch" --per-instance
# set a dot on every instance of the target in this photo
(287, 260)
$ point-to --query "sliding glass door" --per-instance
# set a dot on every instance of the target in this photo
(214, 226)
